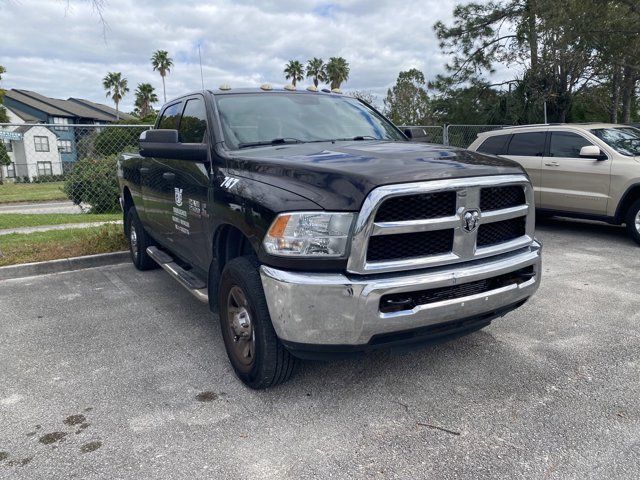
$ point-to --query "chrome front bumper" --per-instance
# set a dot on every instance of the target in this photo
(336, 309)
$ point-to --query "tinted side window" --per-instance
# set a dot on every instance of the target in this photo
(566, 144)
(170, 117)
(527, 144)
(495, 145)
(193, 124)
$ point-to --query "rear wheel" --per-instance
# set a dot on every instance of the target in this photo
(139, 240)
(633, 221)
(256, 354)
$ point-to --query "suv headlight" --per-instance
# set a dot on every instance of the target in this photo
(309, 234)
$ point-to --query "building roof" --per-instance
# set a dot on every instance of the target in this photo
(22, 97)
(64, 108)
(104, 109)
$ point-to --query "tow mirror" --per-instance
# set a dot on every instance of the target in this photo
(591, 151)
(165, 143)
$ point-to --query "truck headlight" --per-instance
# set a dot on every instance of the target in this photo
(309, 234)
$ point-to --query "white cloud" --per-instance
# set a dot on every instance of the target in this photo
(61, 52)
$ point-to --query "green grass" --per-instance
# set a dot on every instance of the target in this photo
(18, 220)
(31, 192)
(55, 244)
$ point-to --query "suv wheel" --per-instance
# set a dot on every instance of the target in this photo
(633, 221)
(256, 354)
(139, 240)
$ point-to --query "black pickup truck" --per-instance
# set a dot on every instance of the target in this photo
(314, 227)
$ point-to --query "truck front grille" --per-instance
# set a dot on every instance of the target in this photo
(500, 232)
(407, 301)
(409, 245)
(496, 198)
(416, 207)
(417, 225)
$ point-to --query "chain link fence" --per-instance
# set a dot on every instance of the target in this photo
(464, 135)
(453, 135)
(424, 133)
(65, 162)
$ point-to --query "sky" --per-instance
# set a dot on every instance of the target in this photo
(59, 48)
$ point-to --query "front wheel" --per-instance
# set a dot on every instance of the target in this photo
(139, 240)
(633, 221)
(256, 354)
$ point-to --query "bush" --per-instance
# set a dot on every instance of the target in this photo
(48, 178)
(94, 181)
(115, 140)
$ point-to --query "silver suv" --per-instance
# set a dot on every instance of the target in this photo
(577, 170)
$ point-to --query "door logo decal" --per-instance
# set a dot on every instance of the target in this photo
(470, 220)
(178, 192)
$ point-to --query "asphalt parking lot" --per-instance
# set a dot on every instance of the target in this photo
(114, 373)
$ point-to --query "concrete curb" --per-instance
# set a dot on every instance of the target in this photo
(63, 265)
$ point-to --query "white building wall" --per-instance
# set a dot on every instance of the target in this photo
(25, 156)
(33, 157)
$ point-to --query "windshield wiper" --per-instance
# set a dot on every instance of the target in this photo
(357, 138)
(275, 141)
(349, 139)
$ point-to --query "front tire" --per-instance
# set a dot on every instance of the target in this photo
(139, 240)
(633, 221)
(256, 354)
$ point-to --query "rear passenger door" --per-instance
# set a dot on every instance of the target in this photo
(527, 149)
(571, 183)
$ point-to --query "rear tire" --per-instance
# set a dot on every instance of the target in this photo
(256, 354)
(139, 240)
(633, 221)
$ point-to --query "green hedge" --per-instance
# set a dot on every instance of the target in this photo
(94, 181)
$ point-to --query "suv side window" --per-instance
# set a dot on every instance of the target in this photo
(495, 145)
(527, 144)
(193, 124)
(566, 144)
(170, 117)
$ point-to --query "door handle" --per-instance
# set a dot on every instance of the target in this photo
(552, 164)
(144, 170)
(170, 177)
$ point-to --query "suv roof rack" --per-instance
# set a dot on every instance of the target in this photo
(533, 125)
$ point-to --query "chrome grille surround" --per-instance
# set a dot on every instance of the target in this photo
(464, 243)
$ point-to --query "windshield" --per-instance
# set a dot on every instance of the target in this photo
(625, 140)
(250, 120)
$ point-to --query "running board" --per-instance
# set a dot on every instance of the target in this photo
(189, 281)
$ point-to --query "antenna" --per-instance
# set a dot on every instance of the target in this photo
(201, 75)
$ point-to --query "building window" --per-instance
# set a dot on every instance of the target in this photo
(41, 143)
(44, 168)
(11, 170)
(64, 146)
(60, 121)
(8, 145)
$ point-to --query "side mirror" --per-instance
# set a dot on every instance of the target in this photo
(164, 143)
(408, 133)
(591, 151)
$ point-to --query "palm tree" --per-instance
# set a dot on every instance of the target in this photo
(116, 88)
(145, 97)
(294, 71)
(337, 71)
(318, 70)
(162, 63)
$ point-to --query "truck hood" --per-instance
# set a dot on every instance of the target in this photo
(339, 176)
